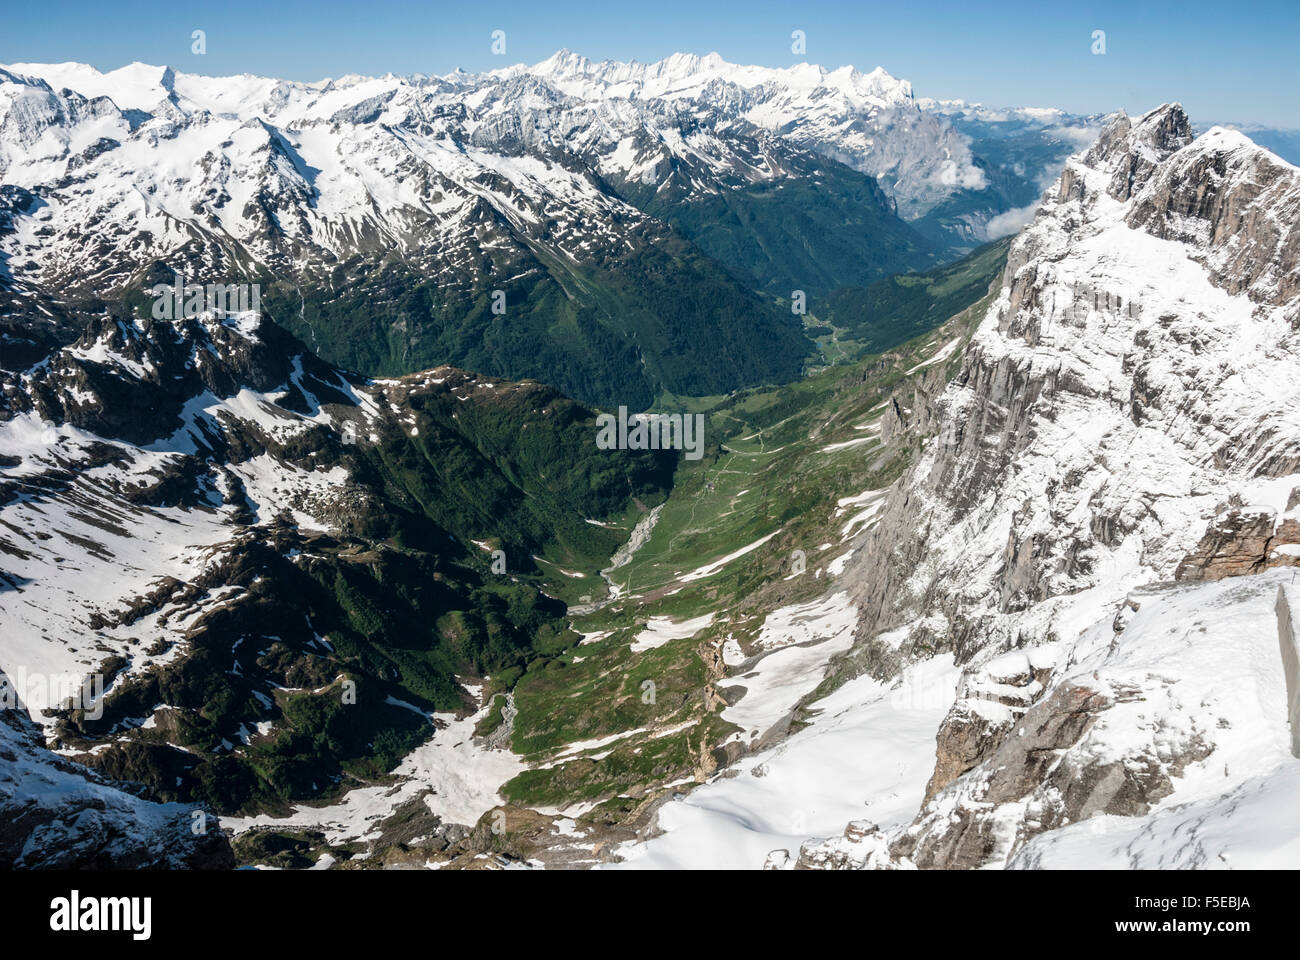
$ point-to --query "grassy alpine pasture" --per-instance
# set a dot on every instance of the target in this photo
(777, 465)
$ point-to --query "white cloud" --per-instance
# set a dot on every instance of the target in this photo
(967, 176)
(1010, 222)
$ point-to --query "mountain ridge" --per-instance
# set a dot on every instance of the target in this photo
(1120, 441)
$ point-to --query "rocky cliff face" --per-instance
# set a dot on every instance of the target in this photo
(56, 814)
(1127, 415)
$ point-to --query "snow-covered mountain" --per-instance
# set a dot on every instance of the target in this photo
(381, 214)
(869, 121)
(1104, 527)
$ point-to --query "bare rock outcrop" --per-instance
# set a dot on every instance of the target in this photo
(56, 814)
(989, 703)
(1245, 541)
(1042, 775)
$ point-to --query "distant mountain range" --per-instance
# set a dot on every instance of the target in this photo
(625, 219)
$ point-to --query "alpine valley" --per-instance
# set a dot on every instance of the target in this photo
(986, 554)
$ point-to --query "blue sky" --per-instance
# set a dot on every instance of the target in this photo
(1224, 61)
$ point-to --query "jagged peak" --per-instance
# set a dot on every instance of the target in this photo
(1165, 130)
(1130, 150)
(561, 62)
(1159, 133)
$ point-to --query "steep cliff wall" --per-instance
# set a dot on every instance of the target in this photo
(1127, 416)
